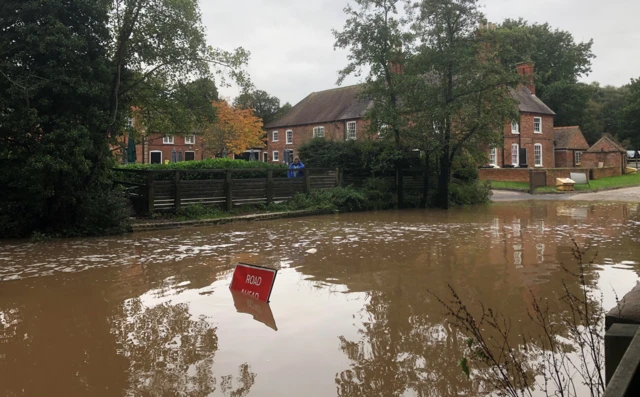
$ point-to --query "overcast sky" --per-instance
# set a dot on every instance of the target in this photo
(292, 51)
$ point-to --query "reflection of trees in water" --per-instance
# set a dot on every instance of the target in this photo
(171, 353)
(400, 349)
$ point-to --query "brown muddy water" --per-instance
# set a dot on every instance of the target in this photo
(151, 314)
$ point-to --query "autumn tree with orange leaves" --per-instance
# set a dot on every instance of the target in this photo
(234, 131)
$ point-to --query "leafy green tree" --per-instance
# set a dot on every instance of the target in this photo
(374, 34)
(459, 91)
(265, 106)
(70, 73)
(54, 74)
(631, 115)
(603, 112)
(559, 62)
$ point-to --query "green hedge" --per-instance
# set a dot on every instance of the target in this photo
(209, 164)
(220, 163)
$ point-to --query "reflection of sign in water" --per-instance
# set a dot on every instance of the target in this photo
(261, 311)
(255, 281)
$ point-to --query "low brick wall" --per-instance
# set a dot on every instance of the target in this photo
(554, 173)
(522, 174)
(606, 172)
(504, 174)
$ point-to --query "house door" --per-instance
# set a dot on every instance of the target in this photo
(288, 156)
(523, 158)
(155, 157)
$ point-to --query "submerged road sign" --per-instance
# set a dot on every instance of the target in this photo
(255, 281)
(261, 311)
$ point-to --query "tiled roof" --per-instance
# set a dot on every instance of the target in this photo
(344, 104)
(606, 138)
(320, 107)
(569, 138)
(527, 102)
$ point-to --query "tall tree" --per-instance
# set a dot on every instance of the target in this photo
(559, 62)
(631, 115)
(265, 106)
(458, 85)
(234, 131)
(374, 35)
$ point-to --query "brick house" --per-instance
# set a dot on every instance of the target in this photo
(607, 152)
(528, 141)
(337, 114)
(569, 146)
(333, 114)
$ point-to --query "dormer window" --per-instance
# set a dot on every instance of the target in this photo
(515, 127)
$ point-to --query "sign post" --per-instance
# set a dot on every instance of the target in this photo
(255, 281)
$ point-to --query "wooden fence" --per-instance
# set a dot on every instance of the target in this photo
(168, 190)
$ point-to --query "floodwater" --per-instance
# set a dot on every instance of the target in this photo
(151, 314)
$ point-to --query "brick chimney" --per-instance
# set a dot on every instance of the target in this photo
(526, 69)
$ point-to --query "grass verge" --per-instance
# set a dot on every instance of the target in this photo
(523, 186)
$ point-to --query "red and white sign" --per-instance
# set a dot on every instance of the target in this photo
(255, 281)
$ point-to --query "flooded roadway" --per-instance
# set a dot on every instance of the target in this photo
(151, 314)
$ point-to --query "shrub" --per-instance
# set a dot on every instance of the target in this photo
(344, 199)
(378, 193)
(470, 193)
(198, 211)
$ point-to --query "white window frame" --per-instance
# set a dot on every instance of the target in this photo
(275, 136)
(289, 141)
(130, 122)
(275, 156)
(189, 151)
(493, 153)
(535, 158)
(317, 130)
(168, 140)
(577, 157)
(537, 120)
(515, 127)
(349, 130)
(155, 151)
(190, 140)
(516, 155)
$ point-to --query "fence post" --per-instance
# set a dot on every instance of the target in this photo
(177, 197)
(307, 182)
(150, 198)
(227, 190)
(269, 187)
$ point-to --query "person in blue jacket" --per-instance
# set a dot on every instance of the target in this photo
(296, 169)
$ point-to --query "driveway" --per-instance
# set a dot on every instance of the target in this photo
(629, 194)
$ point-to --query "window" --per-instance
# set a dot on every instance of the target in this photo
(537, 155)
(515, 154)
(130, 122)
(189, 156)
(493, 156)
(190, 140)
(276, 156)
(318, 132)
(155, 157)
(289, 137)
(515, 127)
(167, 140)
(578, 157)
(274, 137)
(537, 125)
(351, 130)
(383, 130)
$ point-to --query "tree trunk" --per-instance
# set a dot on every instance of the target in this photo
(425, 183)
(442, 198)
